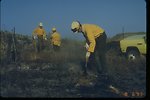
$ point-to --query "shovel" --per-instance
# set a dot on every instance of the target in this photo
(85, 66)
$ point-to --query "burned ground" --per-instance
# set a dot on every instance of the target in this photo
(51, 74)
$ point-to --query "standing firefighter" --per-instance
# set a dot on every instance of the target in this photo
(39, 35)
(96, 45)
(55, 40)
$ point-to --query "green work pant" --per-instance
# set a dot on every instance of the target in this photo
(40, 43)
(56, 48)
(98, 58)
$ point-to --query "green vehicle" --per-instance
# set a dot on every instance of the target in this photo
(134, 46)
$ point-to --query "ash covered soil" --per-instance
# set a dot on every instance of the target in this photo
(42, 78)
(59, 75)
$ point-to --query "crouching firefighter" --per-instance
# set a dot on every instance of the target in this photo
(96, 46)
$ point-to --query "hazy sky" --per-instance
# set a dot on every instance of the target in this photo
(111, 15)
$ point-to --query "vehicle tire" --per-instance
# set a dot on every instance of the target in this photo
(133, 54)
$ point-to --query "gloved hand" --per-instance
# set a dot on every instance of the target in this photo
(34, 37)
(86, 46)
(45, 38)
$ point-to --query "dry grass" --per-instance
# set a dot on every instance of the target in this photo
(58, 70)
(128, 75)
(71, 51)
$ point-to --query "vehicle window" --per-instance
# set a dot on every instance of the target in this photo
(135, 37)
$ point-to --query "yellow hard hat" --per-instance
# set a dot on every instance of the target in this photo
(40, 24)
(54, 29)
(75, 26)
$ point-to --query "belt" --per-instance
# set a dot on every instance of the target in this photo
(99, 35)
(40, 35)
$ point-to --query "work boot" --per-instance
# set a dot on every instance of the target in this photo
(105, 79)
(102, 76)
(85, 73)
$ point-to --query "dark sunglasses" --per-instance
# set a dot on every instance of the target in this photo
(74, 30)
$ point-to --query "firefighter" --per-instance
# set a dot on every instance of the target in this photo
(55, 40)
(39, 35)
(96, 45)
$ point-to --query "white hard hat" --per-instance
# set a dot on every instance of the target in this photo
(54, 29)
(40, 24)
(75, 24)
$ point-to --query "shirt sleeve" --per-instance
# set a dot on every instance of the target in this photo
(92, 41)
(34, 32)
(44, 34)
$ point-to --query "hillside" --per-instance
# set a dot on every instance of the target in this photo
(51, 74)
(120, 36)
